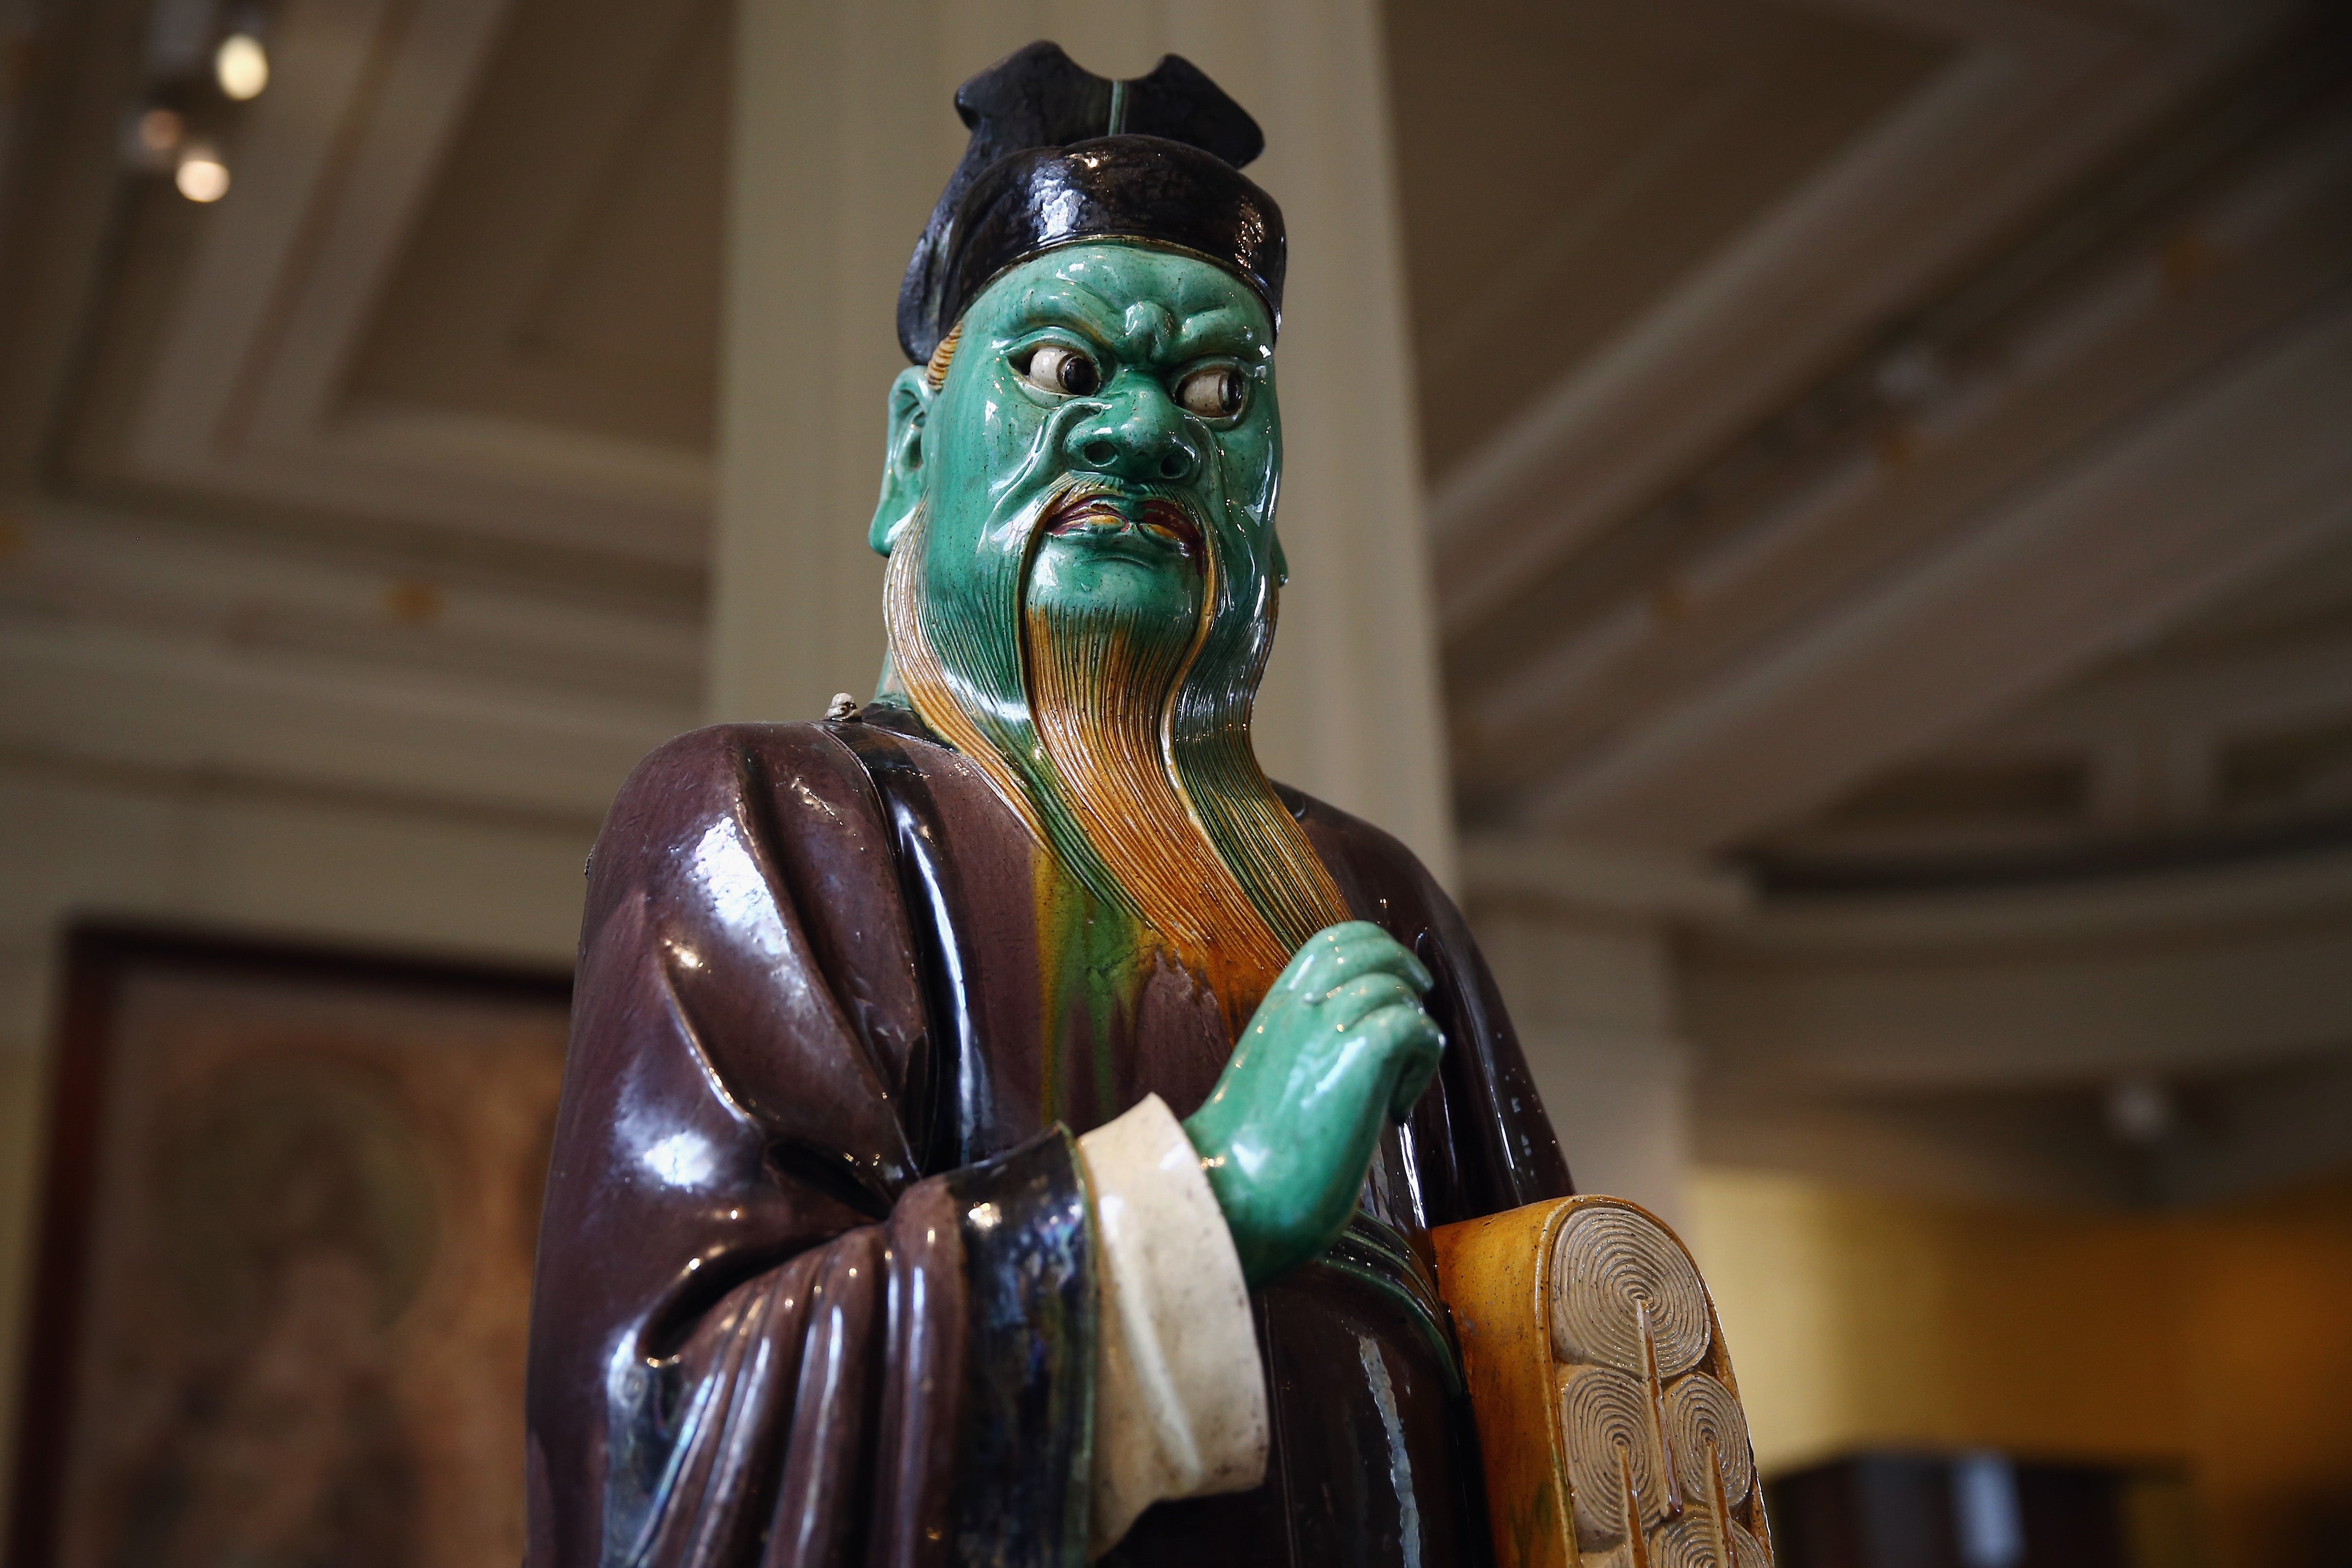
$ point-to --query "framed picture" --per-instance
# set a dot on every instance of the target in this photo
(283, 1291)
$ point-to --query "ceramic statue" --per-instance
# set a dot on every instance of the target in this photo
(1001, 1125)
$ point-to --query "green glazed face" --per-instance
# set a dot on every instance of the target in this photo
(1143, 374)
(1082, 592)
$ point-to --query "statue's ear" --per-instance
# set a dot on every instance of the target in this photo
(903, 480)
(1281, 564)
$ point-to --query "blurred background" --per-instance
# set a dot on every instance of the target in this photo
(1828, 523)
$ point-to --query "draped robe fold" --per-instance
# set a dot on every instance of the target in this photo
(815, 1283)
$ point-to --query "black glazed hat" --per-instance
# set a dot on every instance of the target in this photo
(1059, 154)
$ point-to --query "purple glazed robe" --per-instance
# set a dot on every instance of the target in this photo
(815, 1278)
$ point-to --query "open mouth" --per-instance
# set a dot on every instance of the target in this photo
(1107, 515)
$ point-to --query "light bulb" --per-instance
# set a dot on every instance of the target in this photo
(201, 176)
(241, 66)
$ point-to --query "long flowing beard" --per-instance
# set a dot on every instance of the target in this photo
(1099, 688)
(1096, 767)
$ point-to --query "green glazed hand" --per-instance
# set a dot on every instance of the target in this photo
(1339, 1043)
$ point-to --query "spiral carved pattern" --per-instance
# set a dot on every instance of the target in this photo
(1691, 1542)
(1604, 1414)
(1700, 1410)
(1608, 1266)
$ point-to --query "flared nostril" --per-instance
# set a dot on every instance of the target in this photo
(1176, 465)
(1099, 453)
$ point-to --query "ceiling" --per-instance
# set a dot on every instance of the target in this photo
(565, 270)
(1769, 354)
(392, 476)
(1566, 167)
(2227, 735)
(466, 299)
(1818, 402)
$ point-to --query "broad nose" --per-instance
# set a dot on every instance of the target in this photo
(1138, 435)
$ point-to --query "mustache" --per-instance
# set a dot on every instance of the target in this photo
(1093, 504)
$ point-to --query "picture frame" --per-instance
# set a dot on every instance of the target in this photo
(281, 1292)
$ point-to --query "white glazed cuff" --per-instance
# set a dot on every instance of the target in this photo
(1180, 1396)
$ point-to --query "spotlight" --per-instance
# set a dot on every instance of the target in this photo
(201, 176)
(241, 66)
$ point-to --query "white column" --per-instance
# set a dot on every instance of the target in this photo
(845, 132)
(1580, 937)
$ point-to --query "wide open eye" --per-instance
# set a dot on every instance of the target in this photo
(1061, 369)
(1212, 392)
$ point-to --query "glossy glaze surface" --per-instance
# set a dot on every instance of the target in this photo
(1014, 193)
(1339, 1049)
(1606, 1404)
(1028, 1427)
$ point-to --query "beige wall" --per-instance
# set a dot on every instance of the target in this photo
(1591, 997)
(2219, 1337)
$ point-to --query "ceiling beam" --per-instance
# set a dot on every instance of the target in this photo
(248, 396)
(1608, 879)
(2179, 974)
(176, 653)
(2032, 99)
(2238, 476)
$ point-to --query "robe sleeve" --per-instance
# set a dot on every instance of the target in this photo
(1179, 1400)
(764, 1330)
